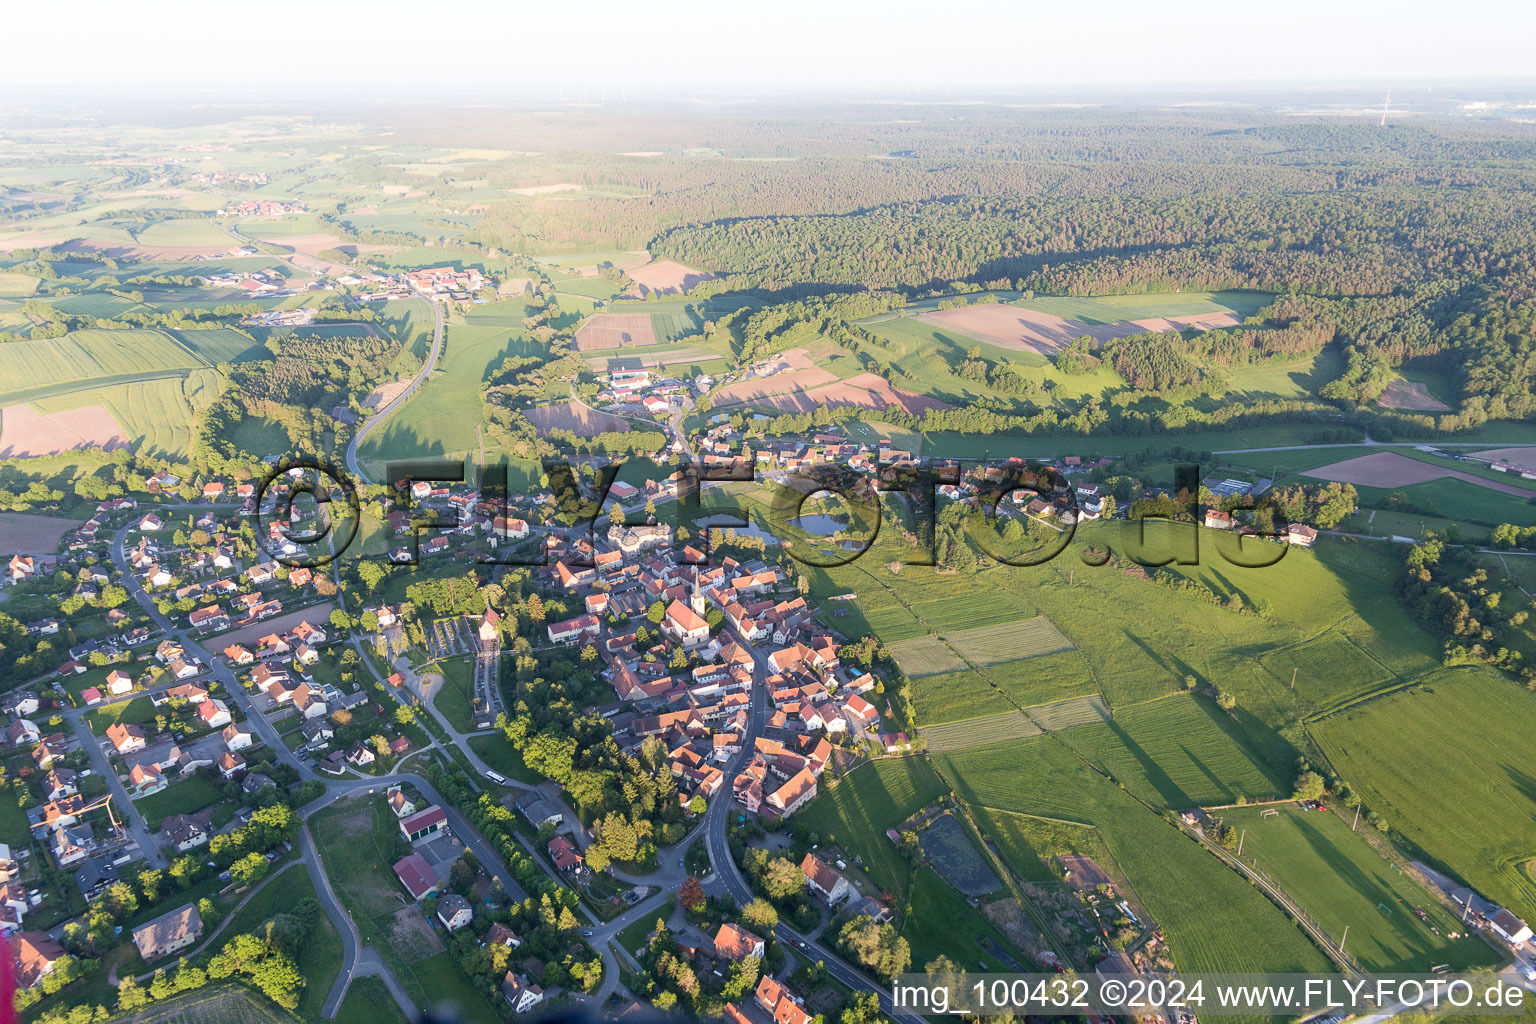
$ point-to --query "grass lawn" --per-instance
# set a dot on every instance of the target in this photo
(368, 1002)
(188, 796)
(1341, 881)
(1445, 763)
(941, 922)
(498, 752)
(455, 699)
(1212, 918)
(442, 982)
(874, 797)
(130, 712)
(634, 935)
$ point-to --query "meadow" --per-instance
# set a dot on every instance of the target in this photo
(1175, 754)
(876, 796)
(1328, 669)
(1446, 764)
(434, 421)
(156, 414)
(1212, 918)
(975, 732)
(1339, 880)
(940, 922)
(1027, 843)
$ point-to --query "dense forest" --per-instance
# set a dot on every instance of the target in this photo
(1409, 245)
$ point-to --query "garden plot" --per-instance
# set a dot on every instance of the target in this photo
(948, 847)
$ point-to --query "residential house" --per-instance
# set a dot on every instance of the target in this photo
(128, 739)
(36, 954)
(236, 736)
(230, 764)
(184, 831)
(144, 779)
(824, 881)
(522, 994)
(454, 911)
(417, 876)
(214, 714)
(733, 943)
(168, 933)
(398, 802)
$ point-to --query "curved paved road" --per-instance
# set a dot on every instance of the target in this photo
(427, 366)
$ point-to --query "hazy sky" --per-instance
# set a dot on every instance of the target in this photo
(790, 43)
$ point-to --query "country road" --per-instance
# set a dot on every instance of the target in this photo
(427, 366)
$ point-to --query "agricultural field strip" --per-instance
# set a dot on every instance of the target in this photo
(982, 646)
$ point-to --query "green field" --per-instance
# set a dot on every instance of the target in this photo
(1114, 309)
(221, 345)
(956, 697)
(874, 797)
(1212, 918)
(155, 414)
(1026, 843)
(1328, 669)
(941, 923)
(188, 796)
(443, 416)
(1340, 881)
(368, 1002)
(37, 369)
(976, 732)
(1446, 764)
(1176, 753)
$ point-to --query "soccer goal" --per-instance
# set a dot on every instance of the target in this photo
(1269, 812)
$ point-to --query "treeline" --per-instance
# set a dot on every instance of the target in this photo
(1443, 587)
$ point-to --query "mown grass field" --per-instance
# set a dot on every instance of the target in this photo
(1174, 753)
(1447, 764)
(1341, 881)
(874, 797)
(1212, 918)
(1009, 641)
(975, 732)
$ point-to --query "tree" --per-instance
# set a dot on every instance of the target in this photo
(782, 879)
(875, 946)
(250, 869)
(535, 609)
(691, 894)
(1310, 786)
(1226, 701)
(760, 916)
(120, 900)
(656, 612)
(742, 979)
(130, 996)
(404, 715)
(615, 514)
